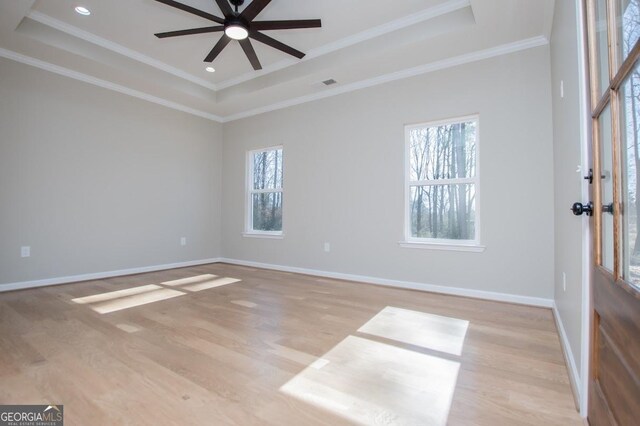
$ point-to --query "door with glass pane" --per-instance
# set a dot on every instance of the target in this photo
(613, 27)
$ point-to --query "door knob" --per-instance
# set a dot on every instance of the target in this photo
(578, 209)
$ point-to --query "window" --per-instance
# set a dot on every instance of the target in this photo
(441, 198)
(264, 212)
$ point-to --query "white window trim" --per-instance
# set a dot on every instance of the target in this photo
(447, 245)
(270, 235)
(441, 243)
(249, 191)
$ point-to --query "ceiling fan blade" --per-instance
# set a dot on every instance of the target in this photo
(191, 31)
(285, 25)
(275, 44)
(251, 54)
(220, 45)
(225, 7)
(192, 10)
(254, 9)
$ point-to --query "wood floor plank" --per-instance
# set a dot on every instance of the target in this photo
(246, 346)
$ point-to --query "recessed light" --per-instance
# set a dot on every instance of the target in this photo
(83, 10)
(210, 69)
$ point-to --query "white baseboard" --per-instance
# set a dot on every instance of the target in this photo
(455, 291)
(574, 377)
(101, 275)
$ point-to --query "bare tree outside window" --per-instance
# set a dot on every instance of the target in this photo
(628, 23)
(265, 192)
(442, 180)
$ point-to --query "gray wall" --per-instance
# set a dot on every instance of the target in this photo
(567, 183)
(97, 181)
(344, 177)
(99, 186)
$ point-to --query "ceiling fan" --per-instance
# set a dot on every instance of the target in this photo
(241, 26)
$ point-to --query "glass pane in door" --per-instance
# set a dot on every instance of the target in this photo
(606, 165)
(601, 44)
(628, 25)
(630, 143)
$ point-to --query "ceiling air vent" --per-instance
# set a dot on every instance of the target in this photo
(329, 82)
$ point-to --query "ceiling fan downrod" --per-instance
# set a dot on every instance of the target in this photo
(236, 3)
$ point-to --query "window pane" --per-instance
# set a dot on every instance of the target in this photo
(602, 43)
(630, 143)
(443, 211)
(443, 152)
(628, 24)
(267, 211)
(606, 159)
(267, 169)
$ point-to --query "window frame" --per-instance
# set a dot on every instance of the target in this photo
(472, 245)
(250, 191)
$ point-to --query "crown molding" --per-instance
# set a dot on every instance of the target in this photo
(118, 48)
(406, 21)
(9, 54)
(399, 75)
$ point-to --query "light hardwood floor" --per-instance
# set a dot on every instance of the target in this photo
(223, 344)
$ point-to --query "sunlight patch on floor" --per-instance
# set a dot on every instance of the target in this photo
(135, 300)
(296, 356)
(102, 297)
(405, 387)
(244, 303)
(211, 284)
(435, 332)
(128, 298)
(105, 303)
(191, 280)
(128, 328)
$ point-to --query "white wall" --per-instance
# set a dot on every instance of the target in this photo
(567, 183)
(97, 181)
(344, 177)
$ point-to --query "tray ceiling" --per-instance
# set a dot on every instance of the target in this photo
(361, 43)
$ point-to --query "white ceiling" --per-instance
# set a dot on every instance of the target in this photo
(361, 43)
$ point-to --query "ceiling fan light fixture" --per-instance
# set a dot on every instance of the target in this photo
(236, 31)
(82, 10)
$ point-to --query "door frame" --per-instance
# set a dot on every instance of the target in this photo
(587, 259)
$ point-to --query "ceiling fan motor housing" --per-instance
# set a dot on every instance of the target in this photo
(236, 21)
(236, 3)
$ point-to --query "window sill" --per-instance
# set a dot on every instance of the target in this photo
(475, 248)
(263, 235)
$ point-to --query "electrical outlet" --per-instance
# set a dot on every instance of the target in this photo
(183, 241)
(564, 281)
(25, 251)
(327, 247)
